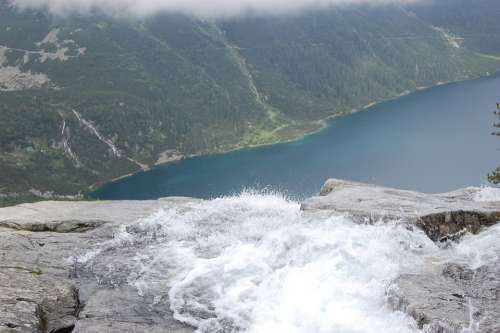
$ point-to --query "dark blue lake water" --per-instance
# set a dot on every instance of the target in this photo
(433, 141)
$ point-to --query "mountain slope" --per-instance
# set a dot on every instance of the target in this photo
(88, 99)
(475, 23)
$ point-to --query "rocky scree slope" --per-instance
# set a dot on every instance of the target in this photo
(43, 288)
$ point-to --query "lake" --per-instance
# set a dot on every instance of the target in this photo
(433, 140)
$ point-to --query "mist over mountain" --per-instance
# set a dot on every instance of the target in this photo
(90, 97)
(201, 9)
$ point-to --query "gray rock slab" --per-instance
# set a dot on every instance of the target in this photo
(80, 216)
(441, 216)
(456, 300)
(41, 289)
(112, 326)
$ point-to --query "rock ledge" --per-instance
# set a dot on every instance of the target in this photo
(42, 289)
(442, 216)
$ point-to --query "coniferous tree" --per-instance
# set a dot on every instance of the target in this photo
(494, 177)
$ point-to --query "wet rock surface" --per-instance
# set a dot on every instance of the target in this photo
(458, 299)
(43, 288)
(453, 299)
(442, 216)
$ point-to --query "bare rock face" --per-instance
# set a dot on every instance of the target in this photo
(455, 299)
(458, 299)
(43, 290)
(35, 286)
(442, 216)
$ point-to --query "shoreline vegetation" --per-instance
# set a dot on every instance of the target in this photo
(177, 87)
(322, 125)
(299, 132)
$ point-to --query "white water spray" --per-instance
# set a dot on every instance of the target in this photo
(255, 263)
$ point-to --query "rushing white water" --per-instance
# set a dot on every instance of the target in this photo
(485, 194)
(255, 263)
(477, 250)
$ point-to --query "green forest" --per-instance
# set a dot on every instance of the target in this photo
(93, 98)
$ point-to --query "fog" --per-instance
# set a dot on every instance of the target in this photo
(199, 8)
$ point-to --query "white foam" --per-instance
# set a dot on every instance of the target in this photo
(255, 263)
(487, 194)
(478, 250)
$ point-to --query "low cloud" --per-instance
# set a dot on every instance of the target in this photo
(199, 8)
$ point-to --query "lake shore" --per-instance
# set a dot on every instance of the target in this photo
(320, 125)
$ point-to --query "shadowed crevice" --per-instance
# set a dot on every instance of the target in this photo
(441, 227)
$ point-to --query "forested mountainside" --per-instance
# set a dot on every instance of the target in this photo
(85, 99)
(475, 23)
